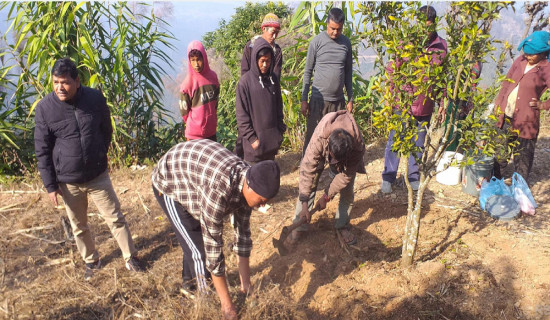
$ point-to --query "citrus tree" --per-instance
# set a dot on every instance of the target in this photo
(399, 33)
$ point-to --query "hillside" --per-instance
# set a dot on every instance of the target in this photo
(468, 266)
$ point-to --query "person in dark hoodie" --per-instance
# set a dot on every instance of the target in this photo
(259, 107)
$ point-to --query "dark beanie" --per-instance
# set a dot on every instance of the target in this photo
(264, 178)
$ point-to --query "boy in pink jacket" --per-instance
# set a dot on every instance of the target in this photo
(199, 95)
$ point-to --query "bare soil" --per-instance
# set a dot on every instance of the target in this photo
(467, 266)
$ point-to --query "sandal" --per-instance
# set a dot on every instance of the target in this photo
(348, 237)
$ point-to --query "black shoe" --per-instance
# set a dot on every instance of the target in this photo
(189, 289)
(134, 264)
(90, 267)
(190, 285)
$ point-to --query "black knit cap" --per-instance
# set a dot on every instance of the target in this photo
(264, 178)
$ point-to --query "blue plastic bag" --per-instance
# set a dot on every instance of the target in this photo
(493, 187)
(523, 195)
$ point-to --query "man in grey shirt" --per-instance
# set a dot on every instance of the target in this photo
(329, 56)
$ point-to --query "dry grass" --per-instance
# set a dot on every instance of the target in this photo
(467, 266)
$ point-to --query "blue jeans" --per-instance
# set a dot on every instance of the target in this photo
(391, 161)
(344, 206)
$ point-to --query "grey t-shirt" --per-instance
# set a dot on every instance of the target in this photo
(332, 62)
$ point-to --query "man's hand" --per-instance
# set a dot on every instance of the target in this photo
(535, 104)
(53, 196)
(322, 202)
(349, 106)
(305, 212)
(229, 313)
(247, 290)
(305, 108)
(256, 144)
(228, 308)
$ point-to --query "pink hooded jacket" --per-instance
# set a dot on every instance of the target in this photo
(199, 98)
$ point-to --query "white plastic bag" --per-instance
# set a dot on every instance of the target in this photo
(524, 202)
(523, 195)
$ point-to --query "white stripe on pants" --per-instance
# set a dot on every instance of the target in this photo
(198, 263)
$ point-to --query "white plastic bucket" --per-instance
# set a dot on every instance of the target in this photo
(452, 175)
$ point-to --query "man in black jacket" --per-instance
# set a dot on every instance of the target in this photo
(71, 138)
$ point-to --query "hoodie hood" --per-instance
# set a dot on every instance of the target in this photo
(259, 44)
(194, 79)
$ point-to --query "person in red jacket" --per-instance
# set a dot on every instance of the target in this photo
(199, 95)
(518, 103)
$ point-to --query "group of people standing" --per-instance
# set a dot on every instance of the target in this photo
(199, 183)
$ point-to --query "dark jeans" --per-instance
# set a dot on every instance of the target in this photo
(317, 110)
(523, 162)
(189, 235)
(391, 161)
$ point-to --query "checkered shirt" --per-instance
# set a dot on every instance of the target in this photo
(207, 180)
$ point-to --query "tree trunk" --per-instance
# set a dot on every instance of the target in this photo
(411, 236)
(412, 226)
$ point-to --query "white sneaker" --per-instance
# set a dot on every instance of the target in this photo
(386, 187)
(415, 185)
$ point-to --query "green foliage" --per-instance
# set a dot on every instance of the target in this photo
(297, 31)
(230, 37)
(467, 27)
(116, 51)
(398, 32)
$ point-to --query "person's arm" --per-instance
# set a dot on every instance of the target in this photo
(243, 245)
(213, 204)
(279, 63)
(244, 275)
(106, 125)
(228, 308)
(312, 164)
(280, 114)
(308, 70)
(342, 179)
(244, 118)
(44, 142)
(184, 105)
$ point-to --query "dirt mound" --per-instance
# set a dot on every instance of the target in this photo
(468, 266)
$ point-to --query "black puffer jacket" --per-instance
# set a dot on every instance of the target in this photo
(71, 139)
